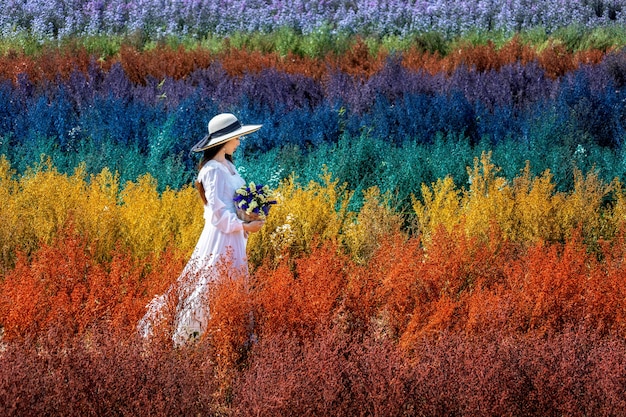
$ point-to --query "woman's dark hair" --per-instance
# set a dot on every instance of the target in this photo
(210, 153)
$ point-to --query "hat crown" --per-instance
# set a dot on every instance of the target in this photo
(221, 121)
(223, 127)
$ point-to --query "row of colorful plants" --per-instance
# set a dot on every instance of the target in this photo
(357, 57)
(350, 313)
(574, 373)
(137, 218)
(101, 116)
(322, 43)
(62, 18)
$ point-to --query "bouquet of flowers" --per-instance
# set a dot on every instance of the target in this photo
(253, 201)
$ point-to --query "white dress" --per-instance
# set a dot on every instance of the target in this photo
(222, 242)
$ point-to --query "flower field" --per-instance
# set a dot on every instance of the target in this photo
(449, 235)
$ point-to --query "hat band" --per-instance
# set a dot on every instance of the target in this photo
(225, 131)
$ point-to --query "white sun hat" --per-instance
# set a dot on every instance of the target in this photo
(222, 128)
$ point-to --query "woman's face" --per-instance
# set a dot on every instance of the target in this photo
(231, 145)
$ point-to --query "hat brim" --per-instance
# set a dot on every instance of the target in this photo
(207, 143)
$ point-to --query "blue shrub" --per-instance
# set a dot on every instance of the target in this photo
(281, 127)
(592, 113)
(188, 122)
(105, 114)
(8, 108)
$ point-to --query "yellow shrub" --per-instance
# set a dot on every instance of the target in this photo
(99, 216)
(301, 215)
(583, 207)
(9, 232)
(150, 222)
(526, 209)
(43, 200)
(441, 206)
(39, 202)
(536, 206)
(364, 230)
(489, 198)
(617, 216)
(145, 221)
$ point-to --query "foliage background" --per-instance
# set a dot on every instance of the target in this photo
(449, 238)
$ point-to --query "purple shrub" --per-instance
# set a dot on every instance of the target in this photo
(515, 85)
(288, 91)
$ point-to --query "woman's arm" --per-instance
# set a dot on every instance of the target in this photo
(219, 216)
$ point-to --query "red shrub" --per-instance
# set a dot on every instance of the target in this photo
(482, 375)
(102, 373)
(563, 369)
(331, 374)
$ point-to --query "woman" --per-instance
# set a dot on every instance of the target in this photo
(224, 237)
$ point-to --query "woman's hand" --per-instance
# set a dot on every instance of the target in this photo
(253, 226)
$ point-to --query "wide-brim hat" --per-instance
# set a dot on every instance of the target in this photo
(222, 128)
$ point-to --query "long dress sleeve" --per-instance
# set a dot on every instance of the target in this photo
(219, 209)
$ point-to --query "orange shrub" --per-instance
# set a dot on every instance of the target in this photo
(47, 65)
(302, 294)
(178, 62)
(477, 287)
(555, 286)
(61, 286)
(231, 321)
(452, 266)
(237, 62)
(554, 58)
(395, 272)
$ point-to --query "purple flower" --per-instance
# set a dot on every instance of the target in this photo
(55, 19)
